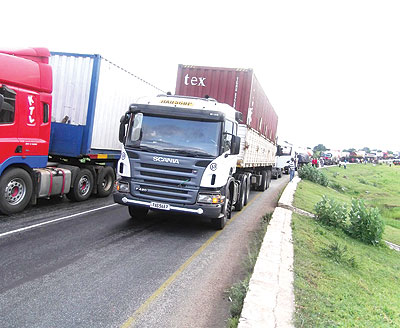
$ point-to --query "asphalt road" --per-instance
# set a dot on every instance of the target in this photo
(88, 264)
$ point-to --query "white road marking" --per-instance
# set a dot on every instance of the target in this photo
(52, 221)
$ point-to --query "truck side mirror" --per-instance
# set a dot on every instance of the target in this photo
(1, 101)
(235, 149)
(123, 121)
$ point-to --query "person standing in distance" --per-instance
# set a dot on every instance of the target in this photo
(292, 168)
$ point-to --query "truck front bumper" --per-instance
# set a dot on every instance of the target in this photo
(206, 210)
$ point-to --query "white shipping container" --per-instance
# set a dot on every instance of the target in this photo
(91, 91)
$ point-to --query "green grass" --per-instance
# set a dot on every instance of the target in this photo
(360, 290)
(378, 186)
(339, 281)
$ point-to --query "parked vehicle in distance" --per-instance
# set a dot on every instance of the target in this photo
(63, 108)
(285, 151)
(198, 154)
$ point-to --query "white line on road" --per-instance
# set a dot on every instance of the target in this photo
(52, 221)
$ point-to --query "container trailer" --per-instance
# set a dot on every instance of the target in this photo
(59, 113)
(201, 150)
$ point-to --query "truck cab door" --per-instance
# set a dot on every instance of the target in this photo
(34, 124)
(8, 123)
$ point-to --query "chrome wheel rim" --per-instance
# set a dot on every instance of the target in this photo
(84, 185)
(15, 191)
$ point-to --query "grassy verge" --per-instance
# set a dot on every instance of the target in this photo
(378, 186)
(339, 281)
(238, 291)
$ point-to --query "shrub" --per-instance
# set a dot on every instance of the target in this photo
(339, 254)
(311, 173)
(331, 213)
(366, 224)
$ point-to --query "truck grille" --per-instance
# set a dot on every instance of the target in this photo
(166, 182)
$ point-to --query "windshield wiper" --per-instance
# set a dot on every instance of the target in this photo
(194, 153)
(147, 149)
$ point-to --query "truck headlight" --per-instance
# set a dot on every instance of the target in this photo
(122, 186)
(210, 198)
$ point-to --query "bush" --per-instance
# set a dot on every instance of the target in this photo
(366, 224)
(331, 213)
(339, 254)
(311, 173)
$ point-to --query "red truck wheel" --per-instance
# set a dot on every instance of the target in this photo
(105, 181)
(82, 187)
(15, 190)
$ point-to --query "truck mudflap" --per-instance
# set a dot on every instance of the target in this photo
(206, 210)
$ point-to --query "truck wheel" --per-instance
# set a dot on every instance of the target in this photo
(105, 181)
(82, 186)
(248, 187)
(16, 190)
(269, 178)
(137, 212)
(264, 181)
(219, 223)
(240, 202)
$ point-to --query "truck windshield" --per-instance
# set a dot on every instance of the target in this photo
(177, 136)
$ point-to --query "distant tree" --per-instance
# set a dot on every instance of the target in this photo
(319, 148)
(350, 150)
(366, 149)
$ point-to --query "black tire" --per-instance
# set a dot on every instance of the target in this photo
(240, 202)
(137, 212)
(248, 187)
(82, 187)
(219, 223)
(264, 181)
(105, 181)
(15, 190)
(269, 178)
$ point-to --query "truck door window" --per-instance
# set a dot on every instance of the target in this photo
(227, 136)
(136, 127)
(7, 110)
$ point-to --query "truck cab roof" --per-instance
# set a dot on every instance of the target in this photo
(184, 102)
(26, 68)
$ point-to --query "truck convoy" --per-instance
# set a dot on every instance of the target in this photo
(64, 108)
(200, 151)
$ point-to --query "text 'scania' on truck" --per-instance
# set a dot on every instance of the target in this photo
(198, 155)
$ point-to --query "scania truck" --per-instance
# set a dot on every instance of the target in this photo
(59, 113)
(197, 155)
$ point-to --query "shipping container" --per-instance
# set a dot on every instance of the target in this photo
(90, 94)
(236, 87)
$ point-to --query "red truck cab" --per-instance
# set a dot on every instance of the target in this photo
(25, 118)
(25, 114)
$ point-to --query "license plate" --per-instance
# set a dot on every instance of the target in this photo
(160, 206)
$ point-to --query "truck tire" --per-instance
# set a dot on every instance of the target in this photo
(15, 190)
(248, 187)
(264, 181)
(137, 212)
(82, 186)
(105, 181)
(219, 223)
(240, 202)
(269, 178)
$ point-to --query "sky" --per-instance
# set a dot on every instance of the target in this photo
(331, 69)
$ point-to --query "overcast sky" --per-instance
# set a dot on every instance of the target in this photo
(331, 69)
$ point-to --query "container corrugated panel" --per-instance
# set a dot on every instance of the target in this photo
(90, 96)
(236, 87)
(72, 76)
(117, 89)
